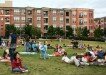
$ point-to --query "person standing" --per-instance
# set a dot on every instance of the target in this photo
(12, 44)
(27, 43)
(43, 49)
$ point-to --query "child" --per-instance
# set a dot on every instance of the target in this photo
(43, 50)
(5, 57)
(17, 64)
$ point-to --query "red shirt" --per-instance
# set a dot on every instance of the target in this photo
(17, 63)
(88, 58)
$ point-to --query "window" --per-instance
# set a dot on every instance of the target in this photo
(16, 18)
(23, 18)
(7, 19)
(39, 25)
(16, 10)
(29, 20)
(45, 13)
(1, 11)
(38, 18)
(81, 22)
(61, 13)
(67, 13)
(38, 11)
(81, 15)
(61, 19)
(54, 19)
(46, 27)
(45, 20)
(7, 12)
(67, 20)
(29, 12)
(54, 11)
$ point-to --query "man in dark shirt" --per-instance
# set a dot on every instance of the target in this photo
(13, 42)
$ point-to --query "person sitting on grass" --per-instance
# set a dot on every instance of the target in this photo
(17, 64)
(56, 47)
(87, 58)
(59, 52)
(73, 60)
(5, 58)
(101, 56)
(65, 58)
(89, 48)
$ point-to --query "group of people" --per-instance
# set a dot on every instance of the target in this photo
(92, 56)
(12, 57)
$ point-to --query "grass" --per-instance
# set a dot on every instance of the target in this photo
(54, 66)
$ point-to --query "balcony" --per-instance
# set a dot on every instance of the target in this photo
(46, 20)
(29, 20)
(7, 19)
(7, 12)
(67, 14)
(80, 16)
(81, 23)
(45, 13)
(29, 12)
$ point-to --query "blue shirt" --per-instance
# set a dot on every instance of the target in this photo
(13, 38)
(100, 54)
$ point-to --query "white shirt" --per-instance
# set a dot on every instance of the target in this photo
(40, 46)
(92, 53)
(66, 59)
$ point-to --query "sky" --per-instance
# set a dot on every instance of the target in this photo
(99, 6)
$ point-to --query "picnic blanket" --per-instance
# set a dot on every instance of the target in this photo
(32, 53)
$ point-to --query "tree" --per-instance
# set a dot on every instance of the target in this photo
(32, 31)
(51, 31)
(59, 31)
(37, 32)
(98, 32)
(28, 30)
(78, 31)
(9, 29)
(69, 31)
(85, 32)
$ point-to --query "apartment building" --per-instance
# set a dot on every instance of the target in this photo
(100, 22)
(82, 17)
(44, 17)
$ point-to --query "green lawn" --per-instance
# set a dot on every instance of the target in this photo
(54, 66)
